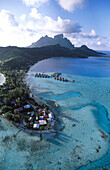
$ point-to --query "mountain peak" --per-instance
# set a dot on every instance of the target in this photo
(59, 36)
(58, 39)
(84, 47)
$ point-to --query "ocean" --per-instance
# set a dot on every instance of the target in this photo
(84, 110)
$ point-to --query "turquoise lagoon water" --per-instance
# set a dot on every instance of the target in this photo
(84, 110)
(84, 113)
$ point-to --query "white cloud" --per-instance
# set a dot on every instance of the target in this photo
(7, 20)
(69, 26)
(23, 17)
(99, 43)
(70, 5)
(35, 3)
(47, 25)
(90, 35)
(14, 33)
(92, 40)
(93, 33)
(34, 14)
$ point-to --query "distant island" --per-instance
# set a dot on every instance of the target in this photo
(23, 57)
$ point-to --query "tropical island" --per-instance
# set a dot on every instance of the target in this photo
(29, 118)
(16, 101)
(23, 58)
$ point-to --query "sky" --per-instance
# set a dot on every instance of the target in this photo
(83, 22)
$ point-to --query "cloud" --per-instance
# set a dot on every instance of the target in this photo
(90, 35)
(68, 26)
(19, 33)
(36, 25)
(7, 19)
(35, 3)
(70, 5)
(98, 45)
(11, 31)
(34, 14)
(47, 24)
(23, 17)
(92, 40)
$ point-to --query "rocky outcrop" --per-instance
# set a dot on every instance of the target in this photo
(58, 39)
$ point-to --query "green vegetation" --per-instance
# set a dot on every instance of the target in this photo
(11, 91)
(14, 93)
(20, 58)
(16, 104)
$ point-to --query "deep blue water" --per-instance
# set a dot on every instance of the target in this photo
(106, 53)
(91, 67)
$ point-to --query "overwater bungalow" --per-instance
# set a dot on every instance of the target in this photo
(42, 75)
(65, 80)
(36, 75)
(62, 79)
(55, 74)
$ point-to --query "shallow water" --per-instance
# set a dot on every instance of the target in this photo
(84, 107)
(83, 140)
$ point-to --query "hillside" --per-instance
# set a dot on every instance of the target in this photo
(15, 57)
(85, 51)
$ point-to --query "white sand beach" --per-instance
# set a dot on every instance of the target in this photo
(2, 79)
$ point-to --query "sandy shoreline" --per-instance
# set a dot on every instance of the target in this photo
(3, 81)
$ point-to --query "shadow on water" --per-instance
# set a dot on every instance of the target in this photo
(60, 139)
(100, 114)
(63, 137)
(55, 142)
(71, 119)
